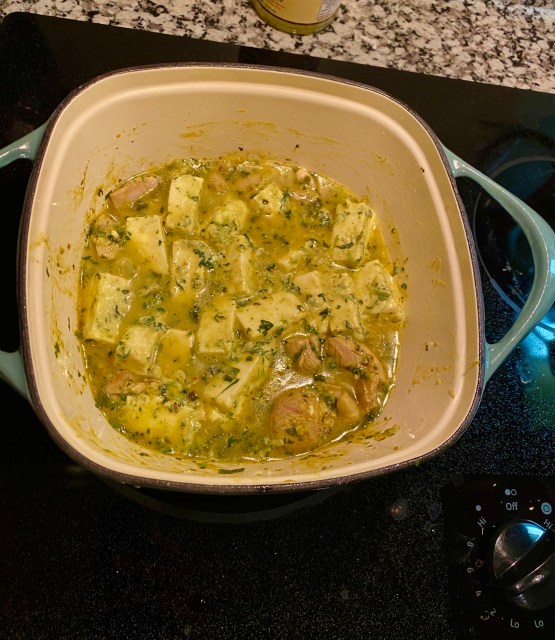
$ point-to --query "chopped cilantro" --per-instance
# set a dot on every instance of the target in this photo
(265, 326)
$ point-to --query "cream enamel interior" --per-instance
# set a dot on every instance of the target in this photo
(128, 122)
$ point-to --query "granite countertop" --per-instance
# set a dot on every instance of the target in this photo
(503, 42)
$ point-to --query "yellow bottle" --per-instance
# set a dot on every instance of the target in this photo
(297, 16)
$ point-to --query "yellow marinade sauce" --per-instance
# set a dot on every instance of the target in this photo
(237, 308)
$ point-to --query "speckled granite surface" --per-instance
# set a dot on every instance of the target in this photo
(504, 42)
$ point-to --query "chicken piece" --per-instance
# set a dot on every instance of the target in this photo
(249, 183)
(132, 190)
(346, 405)
(347, 352)
(118, 383)
(367, 370)
(367, 387)
(304, 351)
(105, 248)
(123, 382)
(217, 182)
(308, 362)
(300, 418)
(306, 191)
(105, 223)
(293, 345)
(325, 188)
(304, 177)
(367, 394)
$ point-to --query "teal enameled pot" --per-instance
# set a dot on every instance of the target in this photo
(125, 122)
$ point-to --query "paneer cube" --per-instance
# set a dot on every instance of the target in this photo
(378, 292)
(137, 348)
(183, 202)
(266, 316)
(351, 231)
(191, 261)
(312, 293)
(269, 200)
(216, 332)
(345, 318)
(227, 220)
(239, 266)
(174, 353)
(112, 297)
(146, 238)
(233, 213)
(236, 383)
(148, 415)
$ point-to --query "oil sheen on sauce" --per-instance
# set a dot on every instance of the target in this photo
(237, 307)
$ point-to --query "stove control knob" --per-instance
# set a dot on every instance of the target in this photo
(522, 564)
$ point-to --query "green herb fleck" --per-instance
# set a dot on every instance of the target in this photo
(206, 260)
(265, 326)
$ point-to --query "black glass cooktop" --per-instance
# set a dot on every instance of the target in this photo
(81, 558)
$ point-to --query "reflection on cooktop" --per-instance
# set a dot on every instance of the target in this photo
(222, 509)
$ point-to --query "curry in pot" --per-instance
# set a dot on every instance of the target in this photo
(237, 308)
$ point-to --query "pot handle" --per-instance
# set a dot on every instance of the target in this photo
(541, 238)
(23, 149)
(12, 370)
